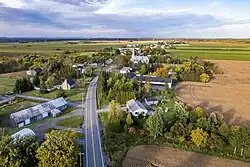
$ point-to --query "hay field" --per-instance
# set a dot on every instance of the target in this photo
(227, 93)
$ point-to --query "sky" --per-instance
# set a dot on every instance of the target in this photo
(125, 18)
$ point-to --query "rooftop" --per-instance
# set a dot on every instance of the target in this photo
(134, 105)
(70, 81)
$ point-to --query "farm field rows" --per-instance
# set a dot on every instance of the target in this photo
(228, 93)
(149, 156)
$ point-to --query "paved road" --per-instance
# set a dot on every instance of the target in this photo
(33, 98)
(94, 152)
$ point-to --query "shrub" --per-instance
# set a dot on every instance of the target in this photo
(204, 78)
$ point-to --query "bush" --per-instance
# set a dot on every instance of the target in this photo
(204, 78)
(61, 93)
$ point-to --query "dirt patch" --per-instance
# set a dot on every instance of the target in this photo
(154, 156)
(14, 74)
(227, 93)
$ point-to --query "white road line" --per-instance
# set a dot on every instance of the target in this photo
(86, 131)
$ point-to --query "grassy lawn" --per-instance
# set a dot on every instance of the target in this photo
(73, 122)
(72, 95)
(6, 85)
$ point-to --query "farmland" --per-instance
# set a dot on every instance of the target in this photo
(228, 93)
(145, 156)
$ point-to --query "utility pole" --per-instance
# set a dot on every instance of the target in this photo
(81, 158)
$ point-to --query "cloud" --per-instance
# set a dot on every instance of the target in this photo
(214, 3)
(111, 18)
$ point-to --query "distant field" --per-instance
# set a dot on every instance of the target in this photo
(213, 50)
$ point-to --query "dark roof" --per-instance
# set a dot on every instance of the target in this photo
(152, 99)
(70, 81)
(150, 78)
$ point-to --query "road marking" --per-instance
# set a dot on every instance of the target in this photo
(86, 129)
(98, 133)
(91, 123)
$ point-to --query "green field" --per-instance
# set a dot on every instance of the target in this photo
(6, 85)
(73, 122)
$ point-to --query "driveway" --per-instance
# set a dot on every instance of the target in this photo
(42, 128)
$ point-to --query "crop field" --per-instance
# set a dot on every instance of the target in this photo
(152, 156)
(227, 93)
(213, 51)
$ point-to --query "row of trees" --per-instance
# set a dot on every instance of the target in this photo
(119, 87)
(12, 66)
(59, 149)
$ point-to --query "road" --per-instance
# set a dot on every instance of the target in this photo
(33, 98)
(94, 152)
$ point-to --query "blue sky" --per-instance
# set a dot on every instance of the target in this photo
(125, 18)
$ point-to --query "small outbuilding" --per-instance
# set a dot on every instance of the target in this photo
(23, 133)
(151, 101)
(68, 84)
(55, 112)
(136, 108)
(31, 72)
(125, 70)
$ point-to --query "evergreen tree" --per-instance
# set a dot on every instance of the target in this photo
(36, 81)
(154, 125)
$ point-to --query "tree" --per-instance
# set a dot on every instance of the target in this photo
(234, 137)
(215, 142)
(161, 72)
(115, 114)
(203, 123)
(199, 137)
(26, 150)
(43, 88)
(223, 130)
(204, 78)
(148, 89)
(129, 120)
(36, 80)
(50, 81)
(61, 93)
(89, 72)
(59, 149)
(196, 114)
(8, 152)
(154, 125)
(182, 114)
(143, 69)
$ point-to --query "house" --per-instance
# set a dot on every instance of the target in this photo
(31, 72)
(136, 108)
(94, 65)
(151, 101)
(79, 67)
(38, 112)
(136, 58)
(23, 133)
(68, 84)
(125, 70)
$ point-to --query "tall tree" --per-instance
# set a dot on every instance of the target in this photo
(154, 125)
(59, 149)
(8, 152)
(26, 150)
(129, 120)
(115, 114)
(36, 80)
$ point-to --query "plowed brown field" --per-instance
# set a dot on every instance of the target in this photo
(153, 156)
(227, 93)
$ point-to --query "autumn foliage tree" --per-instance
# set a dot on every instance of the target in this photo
(199, 137)
(204, 78)
(161, 72)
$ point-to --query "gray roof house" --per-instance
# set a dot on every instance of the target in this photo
(38, 112)
(136, 108)
(68, 84)
(125, 70)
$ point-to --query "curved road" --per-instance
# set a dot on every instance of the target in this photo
(94, 152)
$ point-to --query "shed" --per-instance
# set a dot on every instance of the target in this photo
(68, 84)
(31, 72)
(23, 133)
(151, 101)
(125, 70)
(55, 112)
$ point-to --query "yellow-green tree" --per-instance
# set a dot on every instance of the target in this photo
(204, 78)
(115, 114)
(59, 149)
(199, 137)
(129, 120)
(154, 125)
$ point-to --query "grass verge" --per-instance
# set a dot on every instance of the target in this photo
(73, 122)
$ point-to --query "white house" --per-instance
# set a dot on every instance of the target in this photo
(136, 108)
(151, 101)
(79, 67)
(38, 112)
(125, 70)
(68, 84)
(23, 133)
(31, 72)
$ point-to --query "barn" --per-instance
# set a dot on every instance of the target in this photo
(38, 112)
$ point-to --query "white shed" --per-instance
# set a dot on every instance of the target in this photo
(23, 133)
